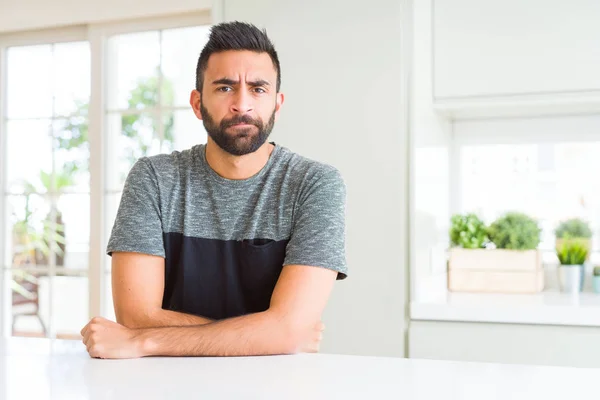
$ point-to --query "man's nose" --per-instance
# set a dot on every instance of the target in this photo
(242, 103)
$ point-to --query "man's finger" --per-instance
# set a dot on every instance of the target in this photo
(87, 337)
(84, 329)
(88, 346)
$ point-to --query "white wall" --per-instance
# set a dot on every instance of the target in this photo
(342, 75)
(18, 15)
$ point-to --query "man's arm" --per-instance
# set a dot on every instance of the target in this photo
(138, 282)
(290, 325)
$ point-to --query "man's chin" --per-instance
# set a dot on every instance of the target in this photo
(240, 147)
(241, 151)
(239, 143)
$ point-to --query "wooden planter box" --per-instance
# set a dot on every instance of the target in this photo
(495, 271)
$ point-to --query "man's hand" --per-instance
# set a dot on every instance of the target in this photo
(108, 339)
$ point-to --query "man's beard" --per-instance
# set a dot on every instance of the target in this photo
(242, 141)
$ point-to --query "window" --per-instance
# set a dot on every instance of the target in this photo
(548, 181)
(545, 167)
(67, 142)
(46, 190)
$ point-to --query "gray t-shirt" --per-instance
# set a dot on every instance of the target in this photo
(225, 241)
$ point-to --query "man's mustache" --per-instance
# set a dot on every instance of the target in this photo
(240, 119)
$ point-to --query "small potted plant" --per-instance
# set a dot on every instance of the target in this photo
(572, 255)
(514, 266)
(596, 279)
(468, 232)
(515, 231)
(574, 228)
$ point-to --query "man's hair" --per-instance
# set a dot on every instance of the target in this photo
(236, 36)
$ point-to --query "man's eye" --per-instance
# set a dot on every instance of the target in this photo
(260, 90)
(224, 89)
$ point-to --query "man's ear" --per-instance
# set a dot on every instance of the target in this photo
(278, 103)
(195, 101)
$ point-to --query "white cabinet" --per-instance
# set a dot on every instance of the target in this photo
(512, 48)
(572, 346)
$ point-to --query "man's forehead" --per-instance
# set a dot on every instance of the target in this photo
(233, 64)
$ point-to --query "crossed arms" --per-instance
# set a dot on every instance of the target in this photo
(290, 325)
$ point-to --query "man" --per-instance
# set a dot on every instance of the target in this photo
(229, 248)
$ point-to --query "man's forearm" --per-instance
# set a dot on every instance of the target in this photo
(253, 334)
(163, 318)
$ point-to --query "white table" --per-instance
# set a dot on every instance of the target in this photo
(44, 369)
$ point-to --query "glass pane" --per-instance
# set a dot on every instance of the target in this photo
(130, 137)
(133, 65)
(108, 310)
(488, 171)
(6, 240)
(33, 236)
(29, 82)
(32, 313)
(71, 78)
(180, 51)
(73, 216)
(550, 182)
(72, 153)
(70, 305)
(30, 303)
(112, 206)
(183, 130)
(30, 155)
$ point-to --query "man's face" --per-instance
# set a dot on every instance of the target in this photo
(239, 102)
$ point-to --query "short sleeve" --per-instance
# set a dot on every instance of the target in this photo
(318, 231)
(138, 225)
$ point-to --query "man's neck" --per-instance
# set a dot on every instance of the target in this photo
(237, 167)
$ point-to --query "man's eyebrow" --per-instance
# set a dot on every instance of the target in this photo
(231, 82)
(225, 81)
(259, 82)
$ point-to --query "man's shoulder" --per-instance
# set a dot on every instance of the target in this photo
(307, 169)
(167, 165)
(173, 159)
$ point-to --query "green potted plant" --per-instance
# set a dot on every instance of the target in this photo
(572, 255)
(515, 231)
(468, 231)
(513, 266)
(574, 228)
(596, 279)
